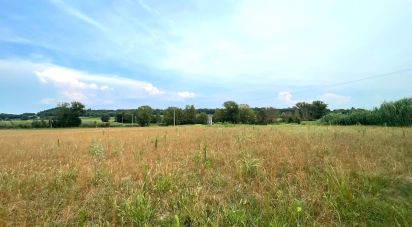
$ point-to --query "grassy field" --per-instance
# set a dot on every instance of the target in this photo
(207, 176)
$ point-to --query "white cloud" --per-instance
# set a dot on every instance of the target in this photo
(286, 97)
(335, 98)
(88, 88)
(63, 84)
(105, 88)
(186, 94)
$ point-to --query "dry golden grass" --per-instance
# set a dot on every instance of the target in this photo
(214, 176)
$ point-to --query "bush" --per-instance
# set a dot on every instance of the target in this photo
(363, 117)
(105, 118)
(40, 124)
(398, 113)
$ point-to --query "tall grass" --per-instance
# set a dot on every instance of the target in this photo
(285, 175)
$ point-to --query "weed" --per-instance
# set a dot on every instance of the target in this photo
(64, 179)
(101, 176)
(82, 218)
(249, 165)
(96, 149)
(163, 184)
(140, 211)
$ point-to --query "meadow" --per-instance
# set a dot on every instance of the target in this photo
(280, 175)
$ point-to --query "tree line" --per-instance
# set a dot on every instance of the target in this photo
(68, 115)
(397, 113)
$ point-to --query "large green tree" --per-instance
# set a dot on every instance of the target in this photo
(246, 114)
(231, 112)
(172, 113)
(218, 115)
(312, 111)
(305, 110)
(189, 115)
(68, 115)
(266, 116)
(124, 116)
(319, 109)
(105, 118)
(144, 115)
(201, 118)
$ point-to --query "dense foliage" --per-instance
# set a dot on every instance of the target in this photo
(311, 111)
(67, 115)
(24, 116)
(397, 113)
(105, 118)
(144, 115)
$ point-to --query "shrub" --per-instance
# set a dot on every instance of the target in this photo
(398, 113)
(105, 118)
(40, 124)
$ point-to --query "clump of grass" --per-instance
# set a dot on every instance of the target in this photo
(118, 149)
(249, 165)
(100, 176)
(140, 210)
(96, 149)
(245, 210)
(65, 179)
(163, 184)
(82, 218)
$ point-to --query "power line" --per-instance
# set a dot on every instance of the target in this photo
(303, 89)
(367, 78)
(342, 83)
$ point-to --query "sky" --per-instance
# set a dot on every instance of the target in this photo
(124, 54)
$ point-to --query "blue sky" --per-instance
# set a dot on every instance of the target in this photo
(123, 54)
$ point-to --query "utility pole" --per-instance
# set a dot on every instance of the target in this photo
(132, 119)
(174, 116)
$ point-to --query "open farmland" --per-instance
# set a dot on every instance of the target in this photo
(213, 176)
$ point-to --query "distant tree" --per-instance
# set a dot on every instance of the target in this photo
(218, 116)
(105, 118)
(266, 116)
(124, 116)
(319, 109)
(291, 116)
(118, 117)
(311, 111)
(305, 110)
(157, 118)
(189, 115)
(27, 116)
(397, 113)
(231, 112)
(144, 115)
(201, 118)
(246, 114)
(68, 115)
(169, 114)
